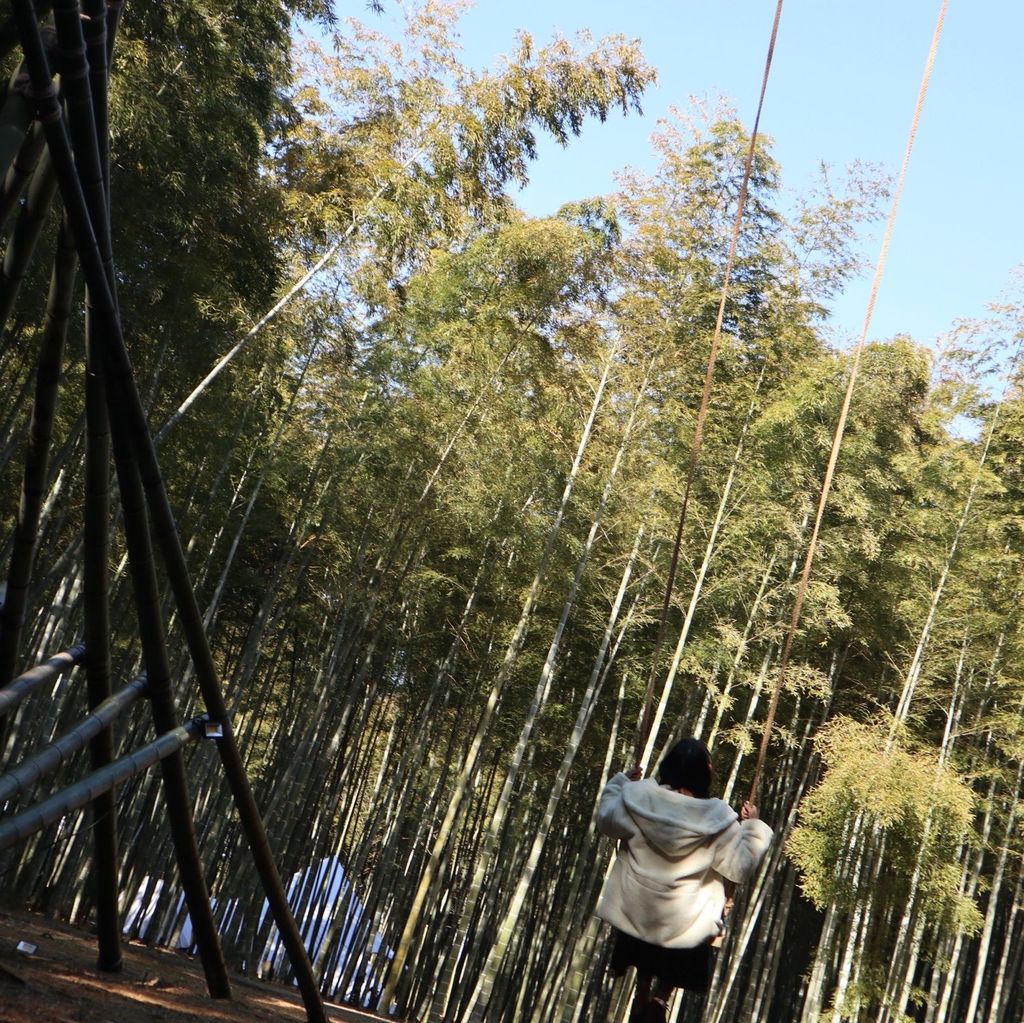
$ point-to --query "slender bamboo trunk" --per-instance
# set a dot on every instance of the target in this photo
(508, 925)
(985, 939)
(953, 980)
(485, 982)
(1008, 959)
(512, 652)
(917, 662)
(25, 538)
(904, 958)
(584, 961)
(651, 739)
(724, 701)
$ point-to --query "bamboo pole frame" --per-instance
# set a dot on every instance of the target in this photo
(75, 161)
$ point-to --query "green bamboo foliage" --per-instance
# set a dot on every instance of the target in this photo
(434, 650)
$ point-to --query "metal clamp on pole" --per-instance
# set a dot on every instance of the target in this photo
(211, 729)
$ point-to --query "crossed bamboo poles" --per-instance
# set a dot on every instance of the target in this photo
(66, 150)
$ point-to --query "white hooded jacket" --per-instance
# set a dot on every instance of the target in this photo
(666, 885)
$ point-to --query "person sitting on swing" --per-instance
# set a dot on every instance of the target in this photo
(665, 896)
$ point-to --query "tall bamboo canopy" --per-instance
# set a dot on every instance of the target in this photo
(425, 456)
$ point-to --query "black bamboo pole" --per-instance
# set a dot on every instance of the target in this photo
(76, 88)
(27, 229)
(88, 178)
(51, 357)
(19, 827)
(13, 693)
(96, 559)
(105, 865)
(179, 804)
(99, 29)
(20, 171)
(9, 27)
(21, 779)
(15, 119)
(124, 395)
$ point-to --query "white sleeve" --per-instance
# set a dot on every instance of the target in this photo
(740, 848)
(612, 818)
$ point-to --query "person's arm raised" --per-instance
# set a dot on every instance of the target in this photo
(612, 818)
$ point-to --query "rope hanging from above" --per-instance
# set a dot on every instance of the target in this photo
(837, 439)
(646, 734)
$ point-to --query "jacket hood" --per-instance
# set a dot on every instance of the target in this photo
(671, 822)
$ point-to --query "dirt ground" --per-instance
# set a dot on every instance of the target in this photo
(60, 984)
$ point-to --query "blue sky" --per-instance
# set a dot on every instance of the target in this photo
(843, 86)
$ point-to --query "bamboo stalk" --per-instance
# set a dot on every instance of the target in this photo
(650, 727)
(97, 626)
(147, 601)
(9, 27)
(985, 939)
(14, 692)
(25, 540)
(16, 829)
(29, 772)
(511, 653)
(20, 171)
(123, 397)
(28, 227)
(508, 925)
(15, 119)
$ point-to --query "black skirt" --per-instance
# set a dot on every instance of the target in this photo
(688, 968)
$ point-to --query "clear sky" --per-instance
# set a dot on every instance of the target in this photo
(843, 86)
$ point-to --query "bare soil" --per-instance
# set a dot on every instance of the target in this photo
(60, 984)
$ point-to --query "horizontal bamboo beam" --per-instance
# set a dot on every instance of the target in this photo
(12, 694)
(35, 767)
(83, 792)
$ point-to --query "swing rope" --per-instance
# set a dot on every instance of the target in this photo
(837, 439)
(644, 728)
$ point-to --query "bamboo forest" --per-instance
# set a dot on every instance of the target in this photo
(392, 521)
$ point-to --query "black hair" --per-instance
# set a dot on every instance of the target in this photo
(687, 765)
